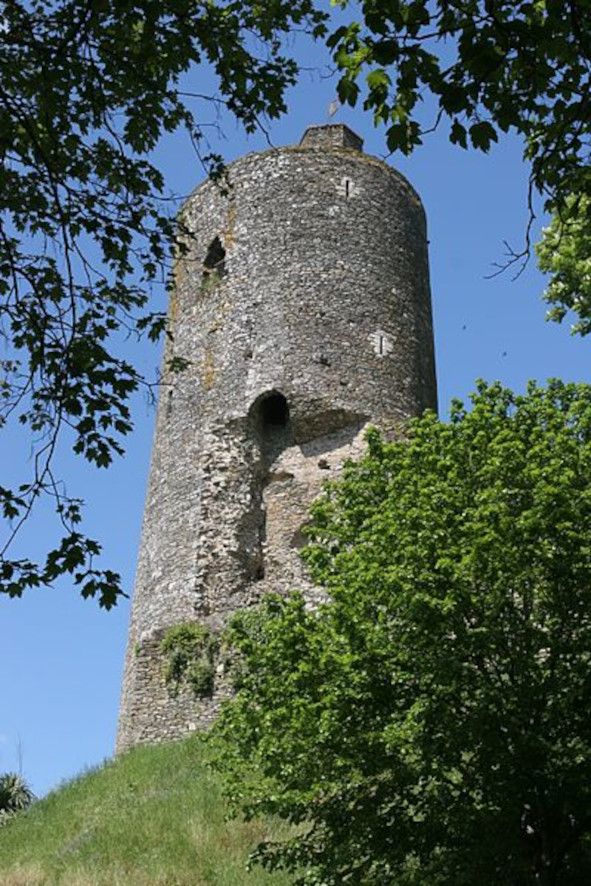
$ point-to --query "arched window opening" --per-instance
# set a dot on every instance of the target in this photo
(270, 421)
(270, 425)
(214, 266)
(273, 412)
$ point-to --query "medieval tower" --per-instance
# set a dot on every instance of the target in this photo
(303, 306)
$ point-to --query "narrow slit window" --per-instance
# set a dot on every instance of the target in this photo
(347, 188)
(215, 260)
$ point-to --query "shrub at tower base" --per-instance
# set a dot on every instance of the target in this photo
(432, 724)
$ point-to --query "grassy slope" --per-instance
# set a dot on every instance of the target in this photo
(153, 816)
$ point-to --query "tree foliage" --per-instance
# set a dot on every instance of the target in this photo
(491, 67)
(15, 795)
(565, 252)
(86, 91)
(431, 724)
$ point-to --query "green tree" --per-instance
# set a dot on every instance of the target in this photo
(87, 89)
(490, 67)
(431, 723)
(15, 795)
(565, 252)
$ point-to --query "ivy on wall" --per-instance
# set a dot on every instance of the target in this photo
(189, 651)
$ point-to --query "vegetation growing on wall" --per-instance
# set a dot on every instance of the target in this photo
(190, 652)
(210, 281)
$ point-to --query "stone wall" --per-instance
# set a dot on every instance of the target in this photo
(303, 305)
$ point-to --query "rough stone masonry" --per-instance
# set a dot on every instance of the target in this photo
(303, 306)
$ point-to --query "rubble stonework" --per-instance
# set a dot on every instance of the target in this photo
(303, 306)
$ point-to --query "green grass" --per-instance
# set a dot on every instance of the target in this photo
(153, 817)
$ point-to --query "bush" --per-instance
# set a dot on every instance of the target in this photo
(15, 795)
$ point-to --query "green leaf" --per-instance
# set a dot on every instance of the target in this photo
(458, 134)
(378, 79)
(482, 134)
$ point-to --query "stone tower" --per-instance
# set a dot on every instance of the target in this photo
(303, 305)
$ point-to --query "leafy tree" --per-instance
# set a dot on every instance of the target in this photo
(15, 795)
(86, 91)
(431, 724)
(86, 236)
(491, 67)
(565, 252)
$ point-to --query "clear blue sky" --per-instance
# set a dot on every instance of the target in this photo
(62, 657)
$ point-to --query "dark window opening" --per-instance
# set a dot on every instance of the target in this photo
(259, 573)
(215, 260)
(274, 411)
(347, 188)
(270, 421)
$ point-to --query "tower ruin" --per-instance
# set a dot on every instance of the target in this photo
(303, 306)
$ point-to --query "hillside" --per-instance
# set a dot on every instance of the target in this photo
(153, 817)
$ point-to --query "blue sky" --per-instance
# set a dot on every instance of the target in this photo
(62, 657)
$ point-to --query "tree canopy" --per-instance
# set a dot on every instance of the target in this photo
(565, 252)
(430, 724)
(87, 90)
(492, 66)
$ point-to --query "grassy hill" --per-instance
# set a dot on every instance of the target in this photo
(153, 817)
